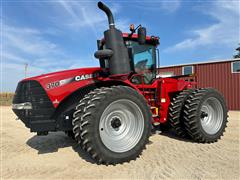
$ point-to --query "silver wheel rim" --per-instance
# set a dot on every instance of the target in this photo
(211, 115)
(123, 136)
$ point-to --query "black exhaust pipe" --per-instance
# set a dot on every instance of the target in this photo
(108, 13)
(119, 62)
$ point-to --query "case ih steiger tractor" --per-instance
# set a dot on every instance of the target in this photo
(110, 110)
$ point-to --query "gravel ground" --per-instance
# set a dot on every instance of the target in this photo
(27, 156)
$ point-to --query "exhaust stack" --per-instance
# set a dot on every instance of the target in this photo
(108, 12)
(119, 62)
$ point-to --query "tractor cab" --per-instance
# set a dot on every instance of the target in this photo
(142, 55)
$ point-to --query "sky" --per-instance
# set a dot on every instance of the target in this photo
(56, 35)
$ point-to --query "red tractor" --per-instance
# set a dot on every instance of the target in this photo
(110, 110)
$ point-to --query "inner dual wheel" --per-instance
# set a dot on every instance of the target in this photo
(112, 124)
(200, 114)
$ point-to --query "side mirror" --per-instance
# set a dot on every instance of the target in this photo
(102, 54)
(142, 35)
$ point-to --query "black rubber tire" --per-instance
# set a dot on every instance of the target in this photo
(79, 111)
(192, 115)
(175, 115)
(70, 134)
(87, 117)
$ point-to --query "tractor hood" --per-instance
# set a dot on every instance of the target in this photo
(59, 85)
(59, 75)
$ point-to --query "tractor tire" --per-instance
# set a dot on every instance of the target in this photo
(114, 124)
(79, 111)
(70, 134)
(205, 115)
(175, 115)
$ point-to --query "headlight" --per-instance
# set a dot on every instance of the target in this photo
(26, 105)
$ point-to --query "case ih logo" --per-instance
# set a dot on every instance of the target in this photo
(86, 76)
(82, 77)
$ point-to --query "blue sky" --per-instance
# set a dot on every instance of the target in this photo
(57, 35)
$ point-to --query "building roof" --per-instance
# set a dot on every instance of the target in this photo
(202, 62)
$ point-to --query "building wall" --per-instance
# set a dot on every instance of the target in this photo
(216, 75)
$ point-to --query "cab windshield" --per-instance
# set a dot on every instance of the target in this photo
(144, 59)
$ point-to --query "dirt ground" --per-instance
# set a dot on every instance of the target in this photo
(27, 156)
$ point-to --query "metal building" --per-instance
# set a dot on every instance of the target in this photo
(223, 75)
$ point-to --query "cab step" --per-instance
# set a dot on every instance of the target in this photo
(151, 100)
(149, 92)
(155, 115)
(153, 107)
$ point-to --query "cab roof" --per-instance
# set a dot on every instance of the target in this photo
(154, 40)
(150, 39)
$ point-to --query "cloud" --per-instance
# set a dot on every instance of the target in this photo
(69, 7)
(170, 6)
(12, 73)
(85, 15)
(23, 45)
(13, 58)
(82, 14)
(225, 31)
(27, 45)
(26, 40)
(156, 5)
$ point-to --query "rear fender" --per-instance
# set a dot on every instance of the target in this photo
(169, 87)
(81, 91)
(65, 109)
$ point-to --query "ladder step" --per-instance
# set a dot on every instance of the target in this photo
(151, 100)
(153, 107)
(156, 123)
(155, 115)
(148, 92)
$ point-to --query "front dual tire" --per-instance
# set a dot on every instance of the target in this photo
(113, 124)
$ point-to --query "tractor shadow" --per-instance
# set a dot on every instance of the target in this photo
(168, 132)
(55, 141)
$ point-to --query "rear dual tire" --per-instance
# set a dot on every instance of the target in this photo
(205, 115)
(176, 109)
(200, 114)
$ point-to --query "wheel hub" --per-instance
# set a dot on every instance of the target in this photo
(204, 114)
(116, 122)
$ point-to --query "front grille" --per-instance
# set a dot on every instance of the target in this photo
(42, 107)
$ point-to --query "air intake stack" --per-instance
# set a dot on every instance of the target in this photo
(119, 59)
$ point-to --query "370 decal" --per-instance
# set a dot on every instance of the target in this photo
(53, 85)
